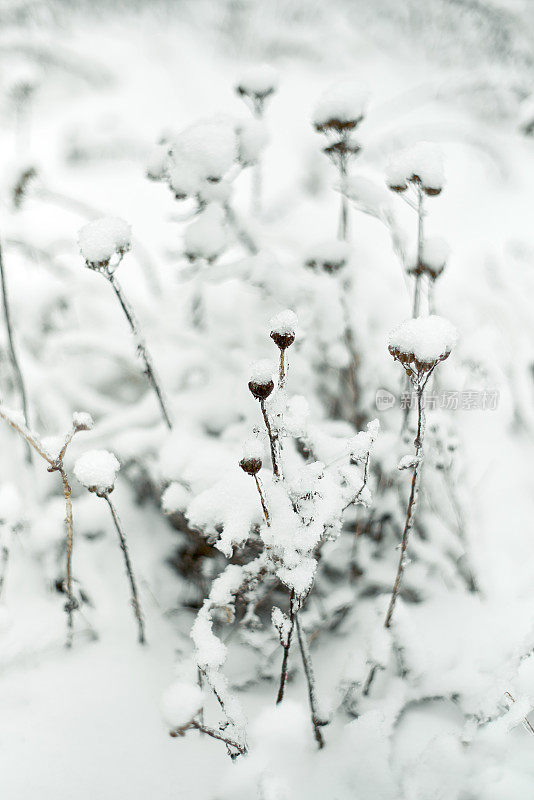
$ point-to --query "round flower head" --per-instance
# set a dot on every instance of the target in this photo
(341, 108)
(330, 256)
(97, 470)
(261, 382)
(252, 456)
(421, 165)
(283, 329)
(104, 238)
(421, 343)
(434, 255)
(258, 82)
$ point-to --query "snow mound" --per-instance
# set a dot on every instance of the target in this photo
(102, 238)
(181, 703)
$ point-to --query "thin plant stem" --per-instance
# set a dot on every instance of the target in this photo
(272, 439)
(343, 230)
(282, 370)
(262, 499)
(4, 558)
(19, 380)
(310, 679)
(412, 501)
(55, 465)
(129, 569)
(287, 647)
(241, 233)
(141, 347)
(72, 604)
(420, 241)
(199, 726)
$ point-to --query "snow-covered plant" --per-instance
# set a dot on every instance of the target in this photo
(256, 85)
(302, 501)
(419, 344)
(81, 421)
(420, 170)
(339, 111)
(97, 471)
(103, 244)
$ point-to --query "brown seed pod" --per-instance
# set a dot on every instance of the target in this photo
(431, 191)
(261, 390)
(398, 187)
(250, 465)
(282, 340)
(337, 124)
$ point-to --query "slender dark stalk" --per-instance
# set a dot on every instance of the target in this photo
(412, 501)
(310, 679)
(263, 503)
(129, 570)
(241, 233)
(287, 647)
(282, 370)
(141, 347)
(4, 559)
(272, 439)
(19, 380)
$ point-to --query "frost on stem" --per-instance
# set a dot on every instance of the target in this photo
(103, 243)
(97, 471)
(419, 345)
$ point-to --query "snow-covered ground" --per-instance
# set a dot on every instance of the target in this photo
(106, 84)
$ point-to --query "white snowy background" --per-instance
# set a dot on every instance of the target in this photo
(86, 92)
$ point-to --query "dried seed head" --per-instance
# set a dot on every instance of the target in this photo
(282, 340)
(421, 343)
(329, 256)
(82, 421)
(261, 390)
(283, 329)
(261, 382)
(250, 465)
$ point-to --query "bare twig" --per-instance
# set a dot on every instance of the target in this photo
(129, 570)
(287, 647)
(19, 380)
(310, 679)
(194, 725)
(141, 346)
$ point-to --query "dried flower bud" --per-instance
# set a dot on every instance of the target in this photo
(329, 256)
(421, 343)
(261, 382)
(283, 329)
(82, 421)
(250, 465)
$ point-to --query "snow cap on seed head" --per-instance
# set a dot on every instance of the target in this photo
(421, 164)
(340, 108)
(284, 328)
(252, 455)
(330, 256)
(97, 470)
(258, 82)
(422, 342)
(82, 421)
(434, 254)
(103, 238)
(261, 382)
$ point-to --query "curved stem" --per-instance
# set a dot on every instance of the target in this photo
(129, 570)
(412, 501)
(19, 380)
(141, 347)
